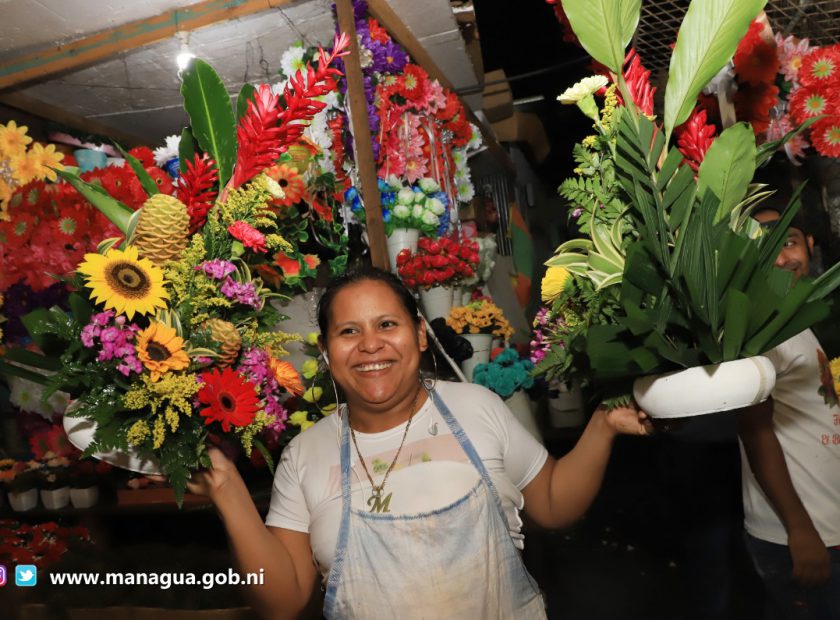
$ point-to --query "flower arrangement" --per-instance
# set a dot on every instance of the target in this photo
(54, 472)
(697, 282)
(487, 248)
(441, 262)
(19, 476)
(41, 544)
(22, 162)
(480, 317)
(318, 400)
(505, 373)
(169, 344)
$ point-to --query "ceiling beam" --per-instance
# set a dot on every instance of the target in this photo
(21, 102)
(385, 15)
(104, 45)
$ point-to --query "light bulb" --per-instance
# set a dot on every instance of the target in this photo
(184, 57)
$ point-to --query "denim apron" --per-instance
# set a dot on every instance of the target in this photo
(455, 562)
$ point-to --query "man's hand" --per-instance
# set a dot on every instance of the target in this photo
(811, 560)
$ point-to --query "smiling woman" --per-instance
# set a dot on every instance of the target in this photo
(405, 482)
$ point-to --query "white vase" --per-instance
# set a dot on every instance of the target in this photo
(23, 501)
(706, 389)
(401, 239)
(437, 302)
(520, 406)
(80, 433)
(55, 499)
(481, 344)
(565, 406)
(84, 498)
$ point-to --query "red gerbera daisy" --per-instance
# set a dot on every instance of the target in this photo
(807, 102)
(144, 154)
(291, 183)
(820, 67)
(413, 83)
(163, 180)
(230, 398)
(825, 136)
(756, 61)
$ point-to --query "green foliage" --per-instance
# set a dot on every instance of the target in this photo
(246, 93)
(186, 149)
(146, 181)
(728, 169)
(604, 27)
(118, 213)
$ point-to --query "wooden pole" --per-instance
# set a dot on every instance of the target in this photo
(362, 139)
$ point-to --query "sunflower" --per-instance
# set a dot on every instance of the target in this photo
(161, 350)
(124, 282)
(230, 398)
(13, 139)
(286, 376)
(553, 283)
(289, 181)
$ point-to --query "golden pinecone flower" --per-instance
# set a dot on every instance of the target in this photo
(161, 349)
(162, 231)
(228, 337)
(553, 283)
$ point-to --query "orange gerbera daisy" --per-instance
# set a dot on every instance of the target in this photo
(161, 349)
(291, 183)
(286, 376)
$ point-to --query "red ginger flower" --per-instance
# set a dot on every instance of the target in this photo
(249, 236)
(756, 61)
(694, 137)
(821, 67)
(230, 398)
(638, 82)
(197, 189)
(825, 136)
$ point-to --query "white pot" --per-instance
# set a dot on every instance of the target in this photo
(23, 501)
(401, 239)
(706, 389)
(565, 407)
(54, 499)
(465, 297)
(437, 302)
(481, 344)
(520, 406)
(84, 498)
(80, 433)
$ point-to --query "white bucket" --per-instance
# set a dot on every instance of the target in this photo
(481, 344)
(398, 240)
(437, 302)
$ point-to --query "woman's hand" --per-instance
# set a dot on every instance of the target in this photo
(628, 420)
(210, 482)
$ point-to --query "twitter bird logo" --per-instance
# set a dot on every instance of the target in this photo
(26, 575)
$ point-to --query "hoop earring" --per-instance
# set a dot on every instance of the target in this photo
(430, 384)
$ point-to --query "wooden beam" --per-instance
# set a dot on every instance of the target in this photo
(362, 140)
(36, 107)
(387, 17)
(104, 45)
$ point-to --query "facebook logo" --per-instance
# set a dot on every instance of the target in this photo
(26, 575)
(2, 575)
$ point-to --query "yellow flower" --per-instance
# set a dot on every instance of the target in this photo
(44, 159)
(312, 338)
(13, 139)
(161, 349)
(137, 433)
(299, 418)
(310, 368)
(834, 367)
(313, 394)
(24, 169)
(124, 282)
(553, 283)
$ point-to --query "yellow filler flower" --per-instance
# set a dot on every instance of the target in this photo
(161, 349)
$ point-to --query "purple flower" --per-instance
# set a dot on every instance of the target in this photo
(577, 213)
(216, 268)
(244, 293)
(394, 58)
(115, 339)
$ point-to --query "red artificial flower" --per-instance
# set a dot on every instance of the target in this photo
(825, 136)
(250, 237)
(311, 260)
(197, 189)
(290, 181)
(144, 154)
(161, 179)
(807, 102)
(756, 61)
(377, 32)
(568, 34)
(290, 266)
(753, 104)
(638, 82)
(821, 67)
(694, 137)
(413, 83)
(230, 398)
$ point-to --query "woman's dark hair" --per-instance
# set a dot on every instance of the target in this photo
(361, 274)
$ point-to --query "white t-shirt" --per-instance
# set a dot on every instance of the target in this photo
(809, 433)
(429, 475)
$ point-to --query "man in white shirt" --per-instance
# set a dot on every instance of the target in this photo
(791, 469)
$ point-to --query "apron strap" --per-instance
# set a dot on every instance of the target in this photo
(469, 449)
(344, 528)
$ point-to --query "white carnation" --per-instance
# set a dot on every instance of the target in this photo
(586, 87)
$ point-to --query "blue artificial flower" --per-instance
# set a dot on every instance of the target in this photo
(386, 215)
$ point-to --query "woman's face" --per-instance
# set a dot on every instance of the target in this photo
(373, 345)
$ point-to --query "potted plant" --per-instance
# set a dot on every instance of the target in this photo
(672, 279)
(54, 483)
(437, 266)
(21, 481)
(478, 322)
(509, 376)
(84, 483)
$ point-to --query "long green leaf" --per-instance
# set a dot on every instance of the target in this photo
(207, 102)
(826, 284)
(728, 168)
(146, 181)
(246, 93)
(186, 149)
(708, 37)
(114, 210)
(735, 324)
(604, 27)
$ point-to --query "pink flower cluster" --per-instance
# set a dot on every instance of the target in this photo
(255, 366)
(116, 341)
(540, 345)
(217, 268)
(241, 292)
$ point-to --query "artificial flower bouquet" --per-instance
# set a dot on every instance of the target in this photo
(422, 206)
(505, 373)
(438, 262)
(671, 271)
(480, 317)
(41, 544)
(169, 345)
